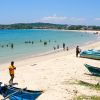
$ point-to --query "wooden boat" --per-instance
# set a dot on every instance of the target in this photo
(93, 54)
(13, 93)
(93, 70)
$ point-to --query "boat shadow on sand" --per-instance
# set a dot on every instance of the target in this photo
(91, 75)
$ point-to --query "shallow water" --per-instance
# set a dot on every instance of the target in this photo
(51, 37)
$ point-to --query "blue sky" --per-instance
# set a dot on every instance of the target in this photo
(86, 12)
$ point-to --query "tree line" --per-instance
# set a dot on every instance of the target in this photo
(48, 26)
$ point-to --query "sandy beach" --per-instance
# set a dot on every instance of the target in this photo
(49, 50)
(97, 32)
(56, 74)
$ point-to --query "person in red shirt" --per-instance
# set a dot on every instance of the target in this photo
(11, 72)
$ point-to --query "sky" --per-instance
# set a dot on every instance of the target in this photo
(74, 12)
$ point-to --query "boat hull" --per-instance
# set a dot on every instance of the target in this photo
(14, 93)
(92, 54)
(93, 70)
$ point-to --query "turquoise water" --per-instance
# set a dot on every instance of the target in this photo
(52, 37)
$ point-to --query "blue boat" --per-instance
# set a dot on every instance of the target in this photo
(13, 93)
(92, 54)
(93, 70)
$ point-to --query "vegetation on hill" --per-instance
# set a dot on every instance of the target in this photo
(48, 26)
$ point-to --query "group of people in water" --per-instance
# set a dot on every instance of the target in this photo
(11, 45)
(63, 46)
(41, 41)
(78, 50)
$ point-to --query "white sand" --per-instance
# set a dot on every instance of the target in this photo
(54, 74)
(87, 31)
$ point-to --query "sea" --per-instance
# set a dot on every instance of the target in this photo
(15, 44)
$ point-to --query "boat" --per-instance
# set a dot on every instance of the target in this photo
(14, 93)
(92, 54)
(94, 70)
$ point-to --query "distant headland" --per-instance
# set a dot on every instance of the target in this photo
(40, 25)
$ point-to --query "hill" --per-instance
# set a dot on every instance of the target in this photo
(48, 26)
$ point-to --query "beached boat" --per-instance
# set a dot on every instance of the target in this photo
(93, 70)
(13, 93)
(93, 54)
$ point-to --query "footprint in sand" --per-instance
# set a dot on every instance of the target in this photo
(34, 65)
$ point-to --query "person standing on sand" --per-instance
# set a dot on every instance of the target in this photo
(77, 51)
(11, 72)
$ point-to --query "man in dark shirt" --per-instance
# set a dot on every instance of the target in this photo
(77, 51)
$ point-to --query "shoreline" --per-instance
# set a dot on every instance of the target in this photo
(54, 52)
(48, 52)
(87, 31)
(21, 57)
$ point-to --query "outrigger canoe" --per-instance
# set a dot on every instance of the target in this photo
(93, 70)
(13, 93)
(92, 54)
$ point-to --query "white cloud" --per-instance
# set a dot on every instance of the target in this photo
(77, 19)
(54, 19)
(61, 19)
(97, 19)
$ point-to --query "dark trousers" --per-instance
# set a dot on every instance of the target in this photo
(77, 54)
(11, 80)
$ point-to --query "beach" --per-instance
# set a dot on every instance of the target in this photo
(49, 50)
(57, 74)
(96, 32)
